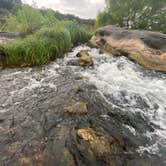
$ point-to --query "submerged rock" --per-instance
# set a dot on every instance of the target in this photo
(145, 47)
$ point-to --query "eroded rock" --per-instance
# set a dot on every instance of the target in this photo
(145, 47)
(101, 144)
(85, 59)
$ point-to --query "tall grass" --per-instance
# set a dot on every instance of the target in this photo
(78, 34)
(45, 45)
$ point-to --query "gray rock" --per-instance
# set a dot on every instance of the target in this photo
(145, 47)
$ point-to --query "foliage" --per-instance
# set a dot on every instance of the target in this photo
(7, 7)
(78, 35)
(47, 44)
(26, 20)
(71, 17)
(49, 18)
(10, 4)
(45, 37)
(142, 14)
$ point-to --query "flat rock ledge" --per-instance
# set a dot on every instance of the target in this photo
(144, 47)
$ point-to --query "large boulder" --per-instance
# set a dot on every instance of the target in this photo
(145, 47)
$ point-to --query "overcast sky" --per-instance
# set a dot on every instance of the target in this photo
(81, 8)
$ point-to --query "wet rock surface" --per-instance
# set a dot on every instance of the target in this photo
(145, 47)
(85, 59)
(36, 130)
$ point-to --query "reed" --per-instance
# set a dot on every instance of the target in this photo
(45, 45)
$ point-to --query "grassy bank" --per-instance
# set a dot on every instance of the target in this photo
(44, 45)
(44, 36)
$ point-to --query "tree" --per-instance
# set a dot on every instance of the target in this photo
(26, 20)
(142, 14)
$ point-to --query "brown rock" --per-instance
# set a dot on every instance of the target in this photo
(77, 108)
(85, 59)
(145, 47)
(100, 144)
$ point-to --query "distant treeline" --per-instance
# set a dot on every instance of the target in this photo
(72, 17)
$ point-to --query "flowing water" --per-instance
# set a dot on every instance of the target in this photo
(120, 82)
(131, 87)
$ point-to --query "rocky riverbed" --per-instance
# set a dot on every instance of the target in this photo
(110, 114)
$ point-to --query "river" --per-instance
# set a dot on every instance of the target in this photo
(138, 95)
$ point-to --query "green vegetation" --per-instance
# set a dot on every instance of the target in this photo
(71, 17)
(25, 20)
(142, 14)
(78, 34)
(45, 45)
(9, 5)
(44, 36)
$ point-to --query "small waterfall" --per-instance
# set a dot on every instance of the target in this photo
(131, 87)
(123, 84)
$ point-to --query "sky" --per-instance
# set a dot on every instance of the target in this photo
(81, 8)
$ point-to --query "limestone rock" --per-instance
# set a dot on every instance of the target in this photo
(100, 144)
(85, 59)
(145, 47)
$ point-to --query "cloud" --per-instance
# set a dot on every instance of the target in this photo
(81, 8)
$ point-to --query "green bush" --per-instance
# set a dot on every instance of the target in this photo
(78, 34)
(142, 14)
(26, 20)
(45, 45)
(38, 49)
